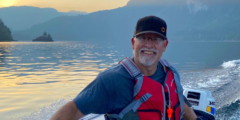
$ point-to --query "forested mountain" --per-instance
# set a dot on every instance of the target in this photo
(5, 33)
(24, 17)
(187, 21)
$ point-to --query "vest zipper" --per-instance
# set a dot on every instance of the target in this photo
(169, 99)
(164, 111)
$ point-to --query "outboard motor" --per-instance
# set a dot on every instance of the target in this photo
(202, 103)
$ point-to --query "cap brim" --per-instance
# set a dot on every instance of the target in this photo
(151, 32)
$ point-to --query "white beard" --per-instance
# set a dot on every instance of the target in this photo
(147, 61)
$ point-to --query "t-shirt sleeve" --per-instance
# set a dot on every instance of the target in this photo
(93, 99)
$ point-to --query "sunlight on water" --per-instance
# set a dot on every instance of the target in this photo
(35, 74)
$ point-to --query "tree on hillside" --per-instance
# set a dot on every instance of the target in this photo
(5, 33)
(45, 34)
(49, 36)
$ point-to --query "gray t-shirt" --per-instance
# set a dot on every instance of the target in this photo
(111, 91)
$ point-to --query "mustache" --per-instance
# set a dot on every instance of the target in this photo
(152, 50)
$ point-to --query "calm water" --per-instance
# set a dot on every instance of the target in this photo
(36, 75)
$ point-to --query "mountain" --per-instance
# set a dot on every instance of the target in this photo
(74, 13)
(5, 33)
(188, 21)
(24, 17)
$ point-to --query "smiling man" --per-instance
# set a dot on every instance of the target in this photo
(144, 87)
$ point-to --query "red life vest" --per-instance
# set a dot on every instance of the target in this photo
(152, 100)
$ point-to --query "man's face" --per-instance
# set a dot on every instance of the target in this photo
(148, 48)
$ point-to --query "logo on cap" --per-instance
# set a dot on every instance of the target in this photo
(163, 29)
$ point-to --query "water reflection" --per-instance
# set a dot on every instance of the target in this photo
(5, 50)
(35, 74)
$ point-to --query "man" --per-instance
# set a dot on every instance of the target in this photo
(116, 91)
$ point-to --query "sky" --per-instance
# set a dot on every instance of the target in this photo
(68, 5)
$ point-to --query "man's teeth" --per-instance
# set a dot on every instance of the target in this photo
(148, 52)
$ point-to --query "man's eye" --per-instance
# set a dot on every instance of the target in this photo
(160, 39)
(140, 37)
(143, 37)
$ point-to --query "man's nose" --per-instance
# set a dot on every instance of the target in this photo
(149, 43)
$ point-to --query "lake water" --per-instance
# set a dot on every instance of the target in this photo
(38, 78)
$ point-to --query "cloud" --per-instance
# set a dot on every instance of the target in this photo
(195, 5)
(7, 3)
(154, 2)
(175, 2)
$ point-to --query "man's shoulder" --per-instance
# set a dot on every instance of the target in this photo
(116, 71)
(116, 78)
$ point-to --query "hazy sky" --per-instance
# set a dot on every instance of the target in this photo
(67, 5)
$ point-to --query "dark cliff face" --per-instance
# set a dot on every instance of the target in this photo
(5, 33)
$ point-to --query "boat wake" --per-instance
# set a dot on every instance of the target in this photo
(46, 112)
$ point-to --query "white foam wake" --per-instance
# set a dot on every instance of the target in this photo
(47, 112)
(231, 64)
(223, 83)
(212, 77)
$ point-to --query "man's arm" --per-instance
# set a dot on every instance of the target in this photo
(189, 113)
(68, 112)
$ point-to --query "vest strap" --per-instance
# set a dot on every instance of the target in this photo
(179, 92)
(179, 89)
(165, 64)
(135, 72)
(177, 81)
(140, 101)
(131, 67)
(134, 105)
(138, 86)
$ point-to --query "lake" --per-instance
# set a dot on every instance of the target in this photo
(37, 78)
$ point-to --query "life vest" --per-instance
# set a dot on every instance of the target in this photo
(152, 100)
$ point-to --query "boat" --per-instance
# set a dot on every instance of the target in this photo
(202, 103)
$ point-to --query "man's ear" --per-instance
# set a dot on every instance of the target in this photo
(133, 42)
(165, 44)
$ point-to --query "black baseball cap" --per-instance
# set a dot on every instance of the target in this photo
(151, 24)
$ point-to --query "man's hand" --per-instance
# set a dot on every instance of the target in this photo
(68, 112)
(189, 113)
